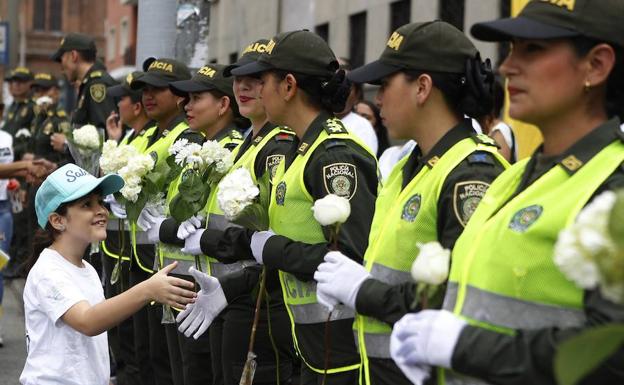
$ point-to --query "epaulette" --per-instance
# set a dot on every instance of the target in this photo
(484, 139)
(334, 126)
(234, 134)
(284, 137)
(334, 143)
(230, 145)
(483, 157)
(61, 113)
(96, 74)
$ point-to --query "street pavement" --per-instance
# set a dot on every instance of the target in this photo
(13, 354)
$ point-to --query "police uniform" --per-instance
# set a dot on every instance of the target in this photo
(55, 121)
(20, 114)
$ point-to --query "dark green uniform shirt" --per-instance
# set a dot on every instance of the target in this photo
(20, 116)
(94, 103)
(389, 303)
(53, 121)
(527, 357)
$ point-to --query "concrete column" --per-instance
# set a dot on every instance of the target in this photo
(482, 10)
(156, 32)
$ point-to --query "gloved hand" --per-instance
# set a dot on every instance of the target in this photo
(340, 278)
(210, 301)
(329, 302)
(258, 240)
(427, 337)
(189, 226)
(153, 234)
(147, 217)
(192, 243)
(117, 209)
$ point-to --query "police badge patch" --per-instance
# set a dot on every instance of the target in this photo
(524, 218)
(97, 92)
(272, 162)
(340, 179)
(280, 193)
(466, 198)
(47, 130)
(411, 208)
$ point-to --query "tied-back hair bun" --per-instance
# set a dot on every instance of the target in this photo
(335, 91)
(478, 92)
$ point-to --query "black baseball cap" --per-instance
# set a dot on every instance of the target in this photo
(124, 88)
(250, 54)
(44, 80)
(541, 19)
(74, 41)
(160, 72)
(19, 73)
(301, 52)
(209, 77)
(429, 46)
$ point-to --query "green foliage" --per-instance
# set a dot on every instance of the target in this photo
(580, 355)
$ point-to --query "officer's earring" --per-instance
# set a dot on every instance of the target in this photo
(62, 228)
(587, 86)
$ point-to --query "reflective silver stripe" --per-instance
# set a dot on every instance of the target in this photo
(450, 297)
(377, 345)
(141, 238)
(113, 224)
(313, 313)
(218, 269)
(219, 222)
(513, 313)
(389, 275)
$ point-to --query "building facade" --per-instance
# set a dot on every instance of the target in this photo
(120, 30)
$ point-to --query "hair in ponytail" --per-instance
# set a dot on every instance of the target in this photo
(44, 238)
(329, 94)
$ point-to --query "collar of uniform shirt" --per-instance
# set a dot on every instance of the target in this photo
(251, 140)
(416, 161)
(223, 133)
(159, 131)
(313, 131)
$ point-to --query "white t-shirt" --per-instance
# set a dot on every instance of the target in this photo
(6, 156)
(508, 135)
(362, 129)
(391, 156)
(58, 354)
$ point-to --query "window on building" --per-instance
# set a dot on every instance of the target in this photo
(124, 35)
(452, 11)
(111, 44)
(233, 57)
(400, 12)
(39, 14)
(323, 31)
(357, 37)
(55, 21)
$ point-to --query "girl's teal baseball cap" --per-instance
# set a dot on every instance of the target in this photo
(67, 184)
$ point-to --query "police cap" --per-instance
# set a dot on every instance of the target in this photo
(44, 80)
(160, 72)
(552, 19)
(250, 54)
(209, 77)
(125, 89)
(301, 52)
(429, 46)
(74, 41)
(20, 74)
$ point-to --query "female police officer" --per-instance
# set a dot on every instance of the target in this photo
(564, 74)
(300, 90)
(431, 76)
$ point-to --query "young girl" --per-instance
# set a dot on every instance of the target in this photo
(66, 314)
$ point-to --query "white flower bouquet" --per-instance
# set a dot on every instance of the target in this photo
(199, 168)
(115, 156)
(85, 145)
(244, 202)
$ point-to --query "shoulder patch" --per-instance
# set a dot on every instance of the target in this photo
(272, 162)
(525, 217)
(97, 92)
(340, 179)
(334, 126)
(466, 198)
(334, 143)
(47, 130)
(23, 112)
(284, 136)
(480, 157)
(96, 74)
(484, 139)
(235, 135)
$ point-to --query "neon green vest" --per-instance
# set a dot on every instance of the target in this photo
(290, 215)
(403, 218)
(114, 224)
(159, 151)
(503, 276)
(169, 253)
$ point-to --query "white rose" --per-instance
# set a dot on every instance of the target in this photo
(332, 209)
(576, 265)
(235, 192)
(432, 264)
(44, 100)
(87, 136)
(131, 192)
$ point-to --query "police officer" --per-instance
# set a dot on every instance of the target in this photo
(50, 119)
(563, 75)
(77, 55)
(430, 194)
(131, 356)
(301, 89)
(21, 112)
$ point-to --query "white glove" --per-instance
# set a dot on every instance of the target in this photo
(117, 209)
(258, 240)
(329, 302)
(189, 226)
(192, 243)
(153, 234)
(427, 337)
(210, 301)
(147, 217)
(340, 278)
